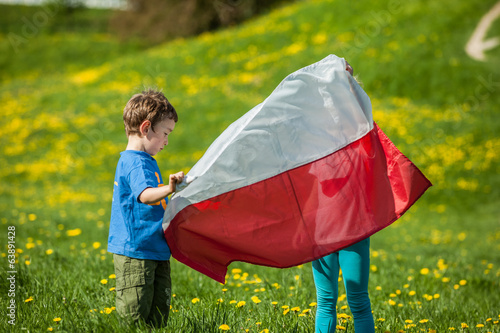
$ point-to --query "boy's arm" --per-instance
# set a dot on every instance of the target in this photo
(152, 195)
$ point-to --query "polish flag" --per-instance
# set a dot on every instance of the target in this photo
(303, 174)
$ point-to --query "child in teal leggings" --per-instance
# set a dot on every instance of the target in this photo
(355, 264)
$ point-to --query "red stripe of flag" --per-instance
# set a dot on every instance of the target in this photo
(302, 214)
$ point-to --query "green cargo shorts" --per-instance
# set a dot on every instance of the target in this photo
(143, 289)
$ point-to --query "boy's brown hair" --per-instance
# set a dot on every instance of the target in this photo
(150, 105)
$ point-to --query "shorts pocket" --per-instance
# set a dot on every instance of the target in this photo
(135, 279)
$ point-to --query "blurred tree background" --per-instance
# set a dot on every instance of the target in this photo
(160, 20)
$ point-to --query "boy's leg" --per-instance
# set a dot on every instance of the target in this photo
(355, 265)
(160, 308)
(326, 274)
(134, 287)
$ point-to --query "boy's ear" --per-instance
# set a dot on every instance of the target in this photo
(145, 127)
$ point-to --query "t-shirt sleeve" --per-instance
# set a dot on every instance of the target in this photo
(140, 178)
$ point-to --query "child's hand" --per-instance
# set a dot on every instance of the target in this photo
(175, 179)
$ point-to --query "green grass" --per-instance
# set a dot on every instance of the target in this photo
(61, 99)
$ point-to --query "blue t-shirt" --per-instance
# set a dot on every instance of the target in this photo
(135, 229)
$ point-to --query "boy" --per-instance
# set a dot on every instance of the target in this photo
(141, 254)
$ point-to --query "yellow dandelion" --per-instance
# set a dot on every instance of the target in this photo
(446, 279)
(58, 319)
(408, 321)
(479, 325)
(342, 328)
(265, 330)
(112, 276)
(241, 304)
(195, 300)
(412, 293)
(294, 48)
(28, 300)
(256, 300)
(27, 262)
(104, 281)
(50, 329)
(391, 302)
(274, 303)
(286, 311)
(423, 321)
(96, 245)
(463, 282)
(236, 271)
(49, 252)
(464, 325)
(295, 309)
(112, 289)
(73, 232)
(224, 327)
(320, 38)
(424, 271)
(232, 302)
(451, 329)
(313, 304)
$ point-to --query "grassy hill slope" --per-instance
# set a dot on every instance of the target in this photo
(62, 131)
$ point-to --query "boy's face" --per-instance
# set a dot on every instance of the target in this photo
(157, 138)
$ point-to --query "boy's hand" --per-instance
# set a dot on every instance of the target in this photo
(175, 179)
(152, 195)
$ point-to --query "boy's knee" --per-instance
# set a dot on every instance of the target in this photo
(134, 302)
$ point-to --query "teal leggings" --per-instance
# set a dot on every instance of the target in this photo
(355, 264)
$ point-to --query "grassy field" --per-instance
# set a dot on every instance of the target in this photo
(61, 99)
